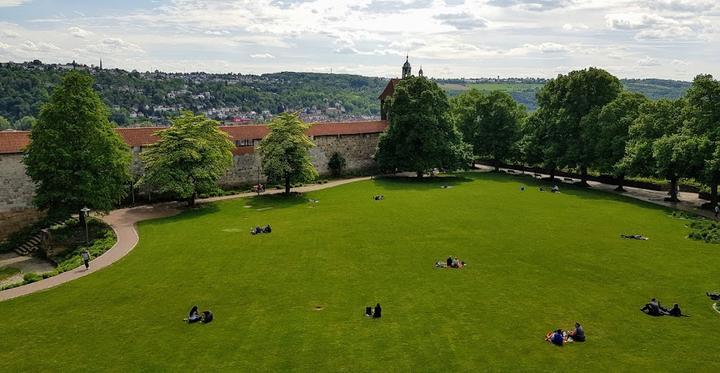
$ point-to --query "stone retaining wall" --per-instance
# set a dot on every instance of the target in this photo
(16, 188)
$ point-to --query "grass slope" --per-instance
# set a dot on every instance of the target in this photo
(537, 261)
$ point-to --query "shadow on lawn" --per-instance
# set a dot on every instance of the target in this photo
(413, 183)
(275, 201)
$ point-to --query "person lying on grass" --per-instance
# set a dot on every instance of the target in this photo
(714, 296)
(557, 337)
(634, 237)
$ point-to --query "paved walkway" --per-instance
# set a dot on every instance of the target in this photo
(123, 222)
(689, 202)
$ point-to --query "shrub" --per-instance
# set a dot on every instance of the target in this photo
(705, 230)
(31, 277)
(336, 164)
(73, 259)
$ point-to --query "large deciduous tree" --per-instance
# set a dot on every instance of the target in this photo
(568, 99)
(188, 159)
(420, 135)
(659, 145)
(285, 151)
(703, 119)
(75, 157)
(490, 123)
(4, 124)
(611, 126)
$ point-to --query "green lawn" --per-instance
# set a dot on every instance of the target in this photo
(537, 261)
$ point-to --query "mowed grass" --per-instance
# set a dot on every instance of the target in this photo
(537, 261)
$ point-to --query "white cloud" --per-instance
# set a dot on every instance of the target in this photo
(9, 3)
(648, 62)
(262, 56)
(78, 32)
(575, 27)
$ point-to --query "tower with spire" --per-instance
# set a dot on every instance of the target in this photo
(406, 69)
(420, 72)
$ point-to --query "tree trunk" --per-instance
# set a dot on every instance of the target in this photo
(287, 184)
(82, 218)
(552, 174)
(621, 182)
(714, 193)
(420, 174)
(496, 163)
(583, 176)
(673, 189)
(191, 200)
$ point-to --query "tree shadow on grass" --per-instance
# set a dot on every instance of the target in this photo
(275, 201)
(413, 183)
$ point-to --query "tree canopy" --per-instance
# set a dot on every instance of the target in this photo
(285, 151)
(567, 100)
(189, 158)
(420, 135)
(489, 122)
(75, 157)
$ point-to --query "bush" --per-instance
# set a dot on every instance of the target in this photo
(336, 164)
(31, 277)
(705, 230)
(73, 259)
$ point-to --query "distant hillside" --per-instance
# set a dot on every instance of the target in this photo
(153, 97)
(524, 90)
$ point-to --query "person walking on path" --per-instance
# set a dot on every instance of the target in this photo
(86, 258)
(717, 210)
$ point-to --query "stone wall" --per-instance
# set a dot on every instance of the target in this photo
(16, 192)
(16, 188)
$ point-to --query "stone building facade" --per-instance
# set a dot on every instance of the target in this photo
(356, 141)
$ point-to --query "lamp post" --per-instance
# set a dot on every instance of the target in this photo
(85, 212)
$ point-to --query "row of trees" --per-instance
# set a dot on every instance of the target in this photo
(78, 160)
(585, 121)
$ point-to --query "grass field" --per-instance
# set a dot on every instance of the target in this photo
(537, 261)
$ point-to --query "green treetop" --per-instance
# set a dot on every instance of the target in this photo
(189, 159)
(420, 135)
(285, 151)
(490, 123)
(75, 157)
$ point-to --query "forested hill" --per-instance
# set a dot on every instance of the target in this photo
(524, 90)
(154, 96)
(136, 97)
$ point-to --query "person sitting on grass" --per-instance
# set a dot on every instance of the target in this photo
(267, 229)
(557, 337)
(193, 316)
(368, 311)
(713, 296)
(207, 316)
(379, 197)
(653, 308)
(449, 262)
(675, 311)
(555, 189)
(378, 312)
(578, 335)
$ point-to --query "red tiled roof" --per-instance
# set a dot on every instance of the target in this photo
(15, 141)
(389, 89)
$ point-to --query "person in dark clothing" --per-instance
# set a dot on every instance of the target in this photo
(86, 258)
(713, 296)
(675, 311)
(194, 315)
(267, 229)
(652, 308)
(578, 335)
(717, 211)
(368, 311)
(207, 317)
(557, 338)
(449, 261)
(378, 312)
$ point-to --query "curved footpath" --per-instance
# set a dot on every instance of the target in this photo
(123, 222)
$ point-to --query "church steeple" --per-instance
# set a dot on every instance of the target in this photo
(420, 72)
(406, 69)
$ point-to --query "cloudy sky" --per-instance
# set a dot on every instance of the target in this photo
(674, 39)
